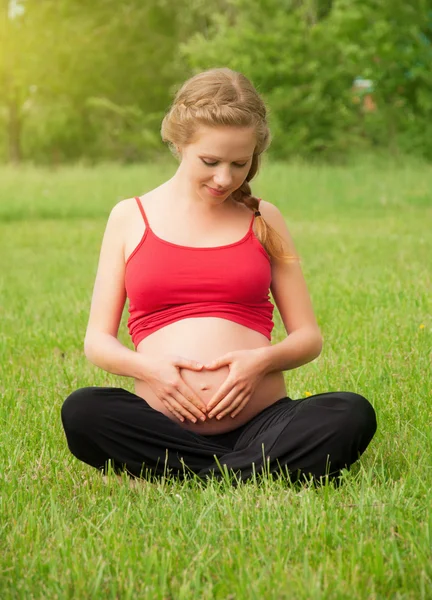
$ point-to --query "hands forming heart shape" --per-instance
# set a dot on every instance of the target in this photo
(246, 370)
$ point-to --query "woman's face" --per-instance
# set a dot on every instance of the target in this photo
(218, 160)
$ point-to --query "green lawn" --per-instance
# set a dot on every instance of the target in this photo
(364, 235)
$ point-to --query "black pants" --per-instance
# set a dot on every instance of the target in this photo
(314, 436)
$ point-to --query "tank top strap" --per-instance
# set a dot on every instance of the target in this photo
(144, 216)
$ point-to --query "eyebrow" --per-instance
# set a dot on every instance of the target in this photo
(217, 157)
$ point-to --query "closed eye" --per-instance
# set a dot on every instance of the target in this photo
(213, 164)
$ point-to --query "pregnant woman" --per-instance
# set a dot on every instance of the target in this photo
(197, 258)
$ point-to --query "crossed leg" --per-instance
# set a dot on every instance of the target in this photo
(314, 436)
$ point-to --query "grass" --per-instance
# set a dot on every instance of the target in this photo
(364, 236)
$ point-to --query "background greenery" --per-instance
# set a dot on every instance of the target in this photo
(91, 81)
(363, 234)
(88, 82)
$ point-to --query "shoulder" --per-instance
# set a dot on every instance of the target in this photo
(123, 209)
(122, 215)
(273, 217)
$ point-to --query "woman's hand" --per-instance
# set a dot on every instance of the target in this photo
(245, 372)
(163, 376)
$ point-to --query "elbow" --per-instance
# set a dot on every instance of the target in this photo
(96, 347)
(89, 349)
(318, 344)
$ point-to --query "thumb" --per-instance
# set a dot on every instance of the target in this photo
(185, 363)
(218, 363)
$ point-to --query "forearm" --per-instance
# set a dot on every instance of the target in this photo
(106, 352)
(299, 348)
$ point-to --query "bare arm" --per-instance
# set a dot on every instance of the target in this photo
(101, 345)
(304, 341)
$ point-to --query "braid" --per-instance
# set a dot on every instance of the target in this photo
(267, 235)
(244, 193)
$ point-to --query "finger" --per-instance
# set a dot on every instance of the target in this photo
(178, 416)
(241, 406)
(190, 408)
(185, 363)
(227, 401)
(172, 411)
(222, 392)
(223, 361)
(192, 397)
(233, 405)
(178, 406)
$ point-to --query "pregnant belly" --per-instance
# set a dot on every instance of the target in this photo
(203, 340)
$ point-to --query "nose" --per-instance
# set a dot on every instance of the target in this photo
(223, 177)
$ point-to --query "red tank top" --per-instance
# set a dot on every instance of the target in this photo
(166, 282)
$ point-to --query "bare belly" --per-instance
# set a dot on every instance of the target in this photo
(203, 340)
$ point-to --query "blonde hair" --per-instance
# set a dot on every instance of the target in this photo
(222, 97)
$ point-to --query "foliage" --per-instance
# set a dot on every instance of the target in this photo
(292, 63)
(304, 60)
(390, 43)
(119, 54)
(80, 80)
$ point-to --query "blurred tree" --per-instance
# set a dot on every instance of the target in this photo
(285, 47)
(93, 80)
(389, 43)
(74, 68)
(21, 69)
(304, 56)
(38, 39)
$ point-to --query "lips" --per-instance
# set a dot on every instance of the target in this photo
(217, 192)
